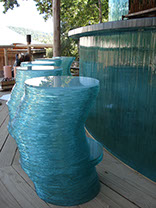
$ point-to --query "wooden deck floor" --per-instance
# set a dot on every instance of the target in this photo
(121, 187)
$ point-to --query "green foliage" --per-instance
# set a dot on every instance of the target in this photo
(69, 47)
(49, 53)
(76, 13)
(9, 4)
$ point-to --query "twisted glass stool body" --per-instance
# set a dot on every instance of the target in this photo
(42, 63)
(56, 60)
(22, 74)
(65, 64)
(49, 130)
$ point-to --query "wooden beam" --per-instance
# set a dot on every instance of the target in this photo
(5, 56)
(56, 28)
(146, 12)
(7, 46)
(44, 45)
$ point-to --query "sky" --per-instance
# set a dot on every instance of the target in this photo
(26, 15)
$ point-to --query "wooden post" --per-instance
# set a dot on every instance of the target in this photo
(56, 28)
(28, 44)
(5, 56)
(29, 51)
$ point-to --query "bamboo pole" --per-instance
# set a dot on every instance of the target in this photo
(56, 28)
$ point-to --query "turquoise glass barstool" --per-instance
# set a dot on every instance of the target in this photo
(22, 74)
(57, 61)
(49, 130)
(66, 63)
(41, 63)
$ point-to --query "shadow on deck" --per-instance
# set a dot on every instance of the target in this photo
(121, 187)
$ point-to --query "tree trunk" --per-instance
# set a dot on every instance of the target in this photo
(56, 28)
(100, 11)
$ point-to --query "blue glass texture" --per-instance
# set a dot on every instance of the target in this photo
(58, 61)
(66, 63)
(124, 117)
(117, 8)
(22, 74)
(50, 134)
(40, 63)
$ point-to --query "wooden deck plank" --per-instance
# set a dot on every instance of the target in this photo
(6, 199)
(132, 191)
(8, 152)
(3, 115)
(56, 206)
(116, 200)
(3, 107)
(21, 191)
(126, 173)
(3, 104)
(94, 204)
(4, 92)
(103, 199)
(118, 168)
(123, 188)
(3, 133)
(16, 158)
(21, 172)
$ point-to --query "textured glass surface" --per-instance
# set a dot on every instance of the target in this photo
(117, 8)
(58, 61)
(39, 68)
(124, 116)
(40, 63)
(65, 64)
(22, 74)
(62, 82)
(49, 131)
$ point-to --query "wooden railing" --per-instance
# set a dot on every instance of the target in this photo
(29, 47)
